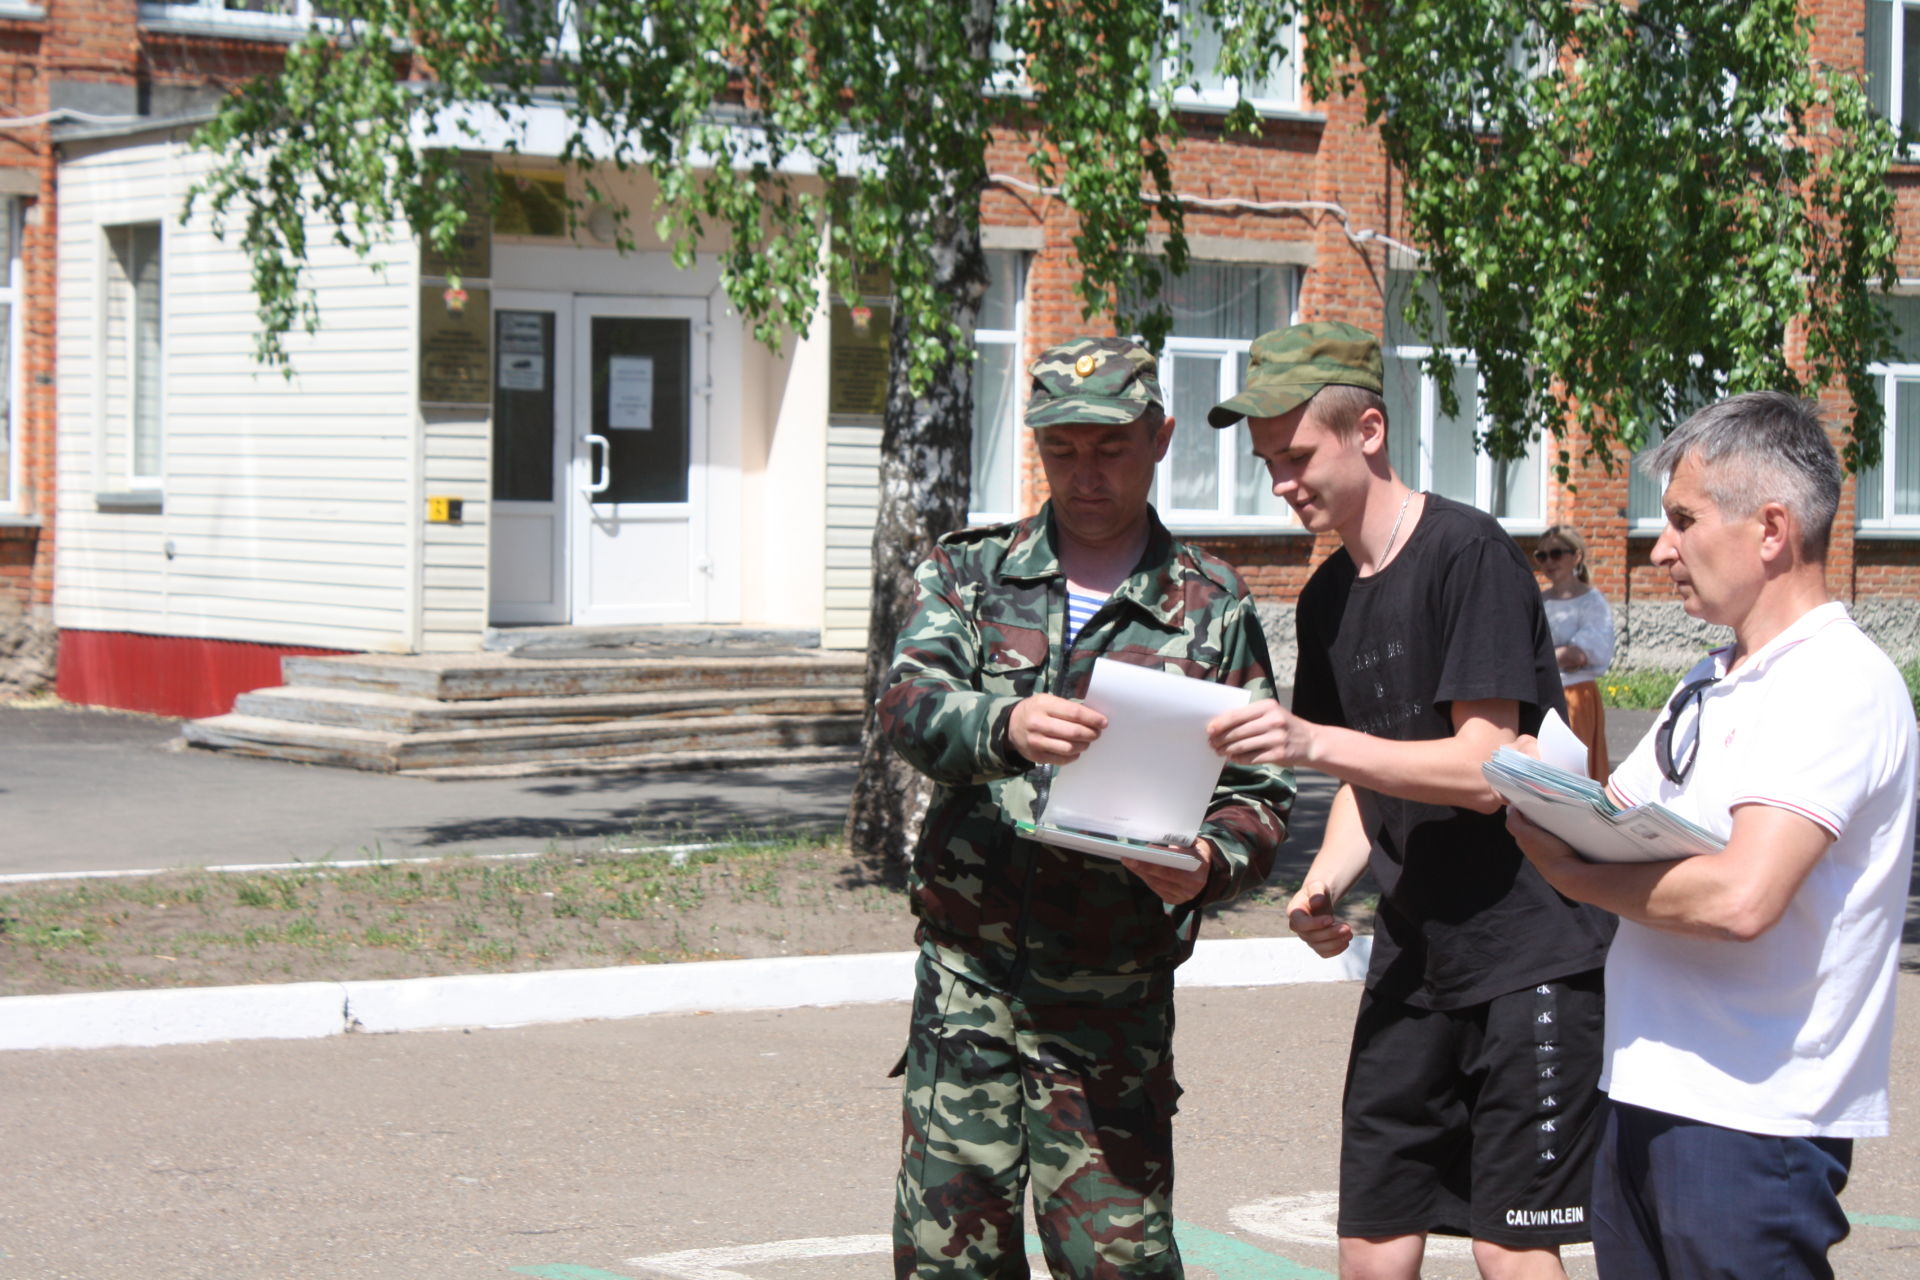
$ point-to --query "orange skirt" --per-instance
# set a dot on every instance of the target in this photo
(1588, 720)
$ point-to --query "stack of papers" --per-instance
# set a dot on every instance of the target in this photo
(1579, 811)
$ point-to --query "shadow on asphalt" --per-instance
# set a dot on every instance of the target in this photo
(730, 812)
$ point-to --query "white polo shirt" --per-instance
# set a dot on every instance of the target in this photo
(1791, 1033)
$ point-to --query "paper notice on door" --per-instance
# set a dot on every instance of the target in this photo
(522, 372)
(521, 360)
(630, 393)
(1150, 773)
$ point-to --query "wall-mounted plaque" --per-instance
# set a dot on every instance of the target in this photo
(456, 347)
(859, 342)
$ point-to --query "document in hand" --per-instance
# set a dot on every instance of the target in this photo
(1141, 790)
(1579, 811)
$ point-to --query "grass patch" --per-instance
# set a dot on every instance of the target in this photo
(460, 915)
(1648, 689)
(1644, 689)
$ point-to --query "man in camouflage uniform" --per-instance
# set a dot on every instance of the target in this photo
(1041, 1040)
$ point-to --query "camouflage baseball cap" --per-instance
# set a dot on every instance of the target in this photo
(1288, 365)
(1092, 380)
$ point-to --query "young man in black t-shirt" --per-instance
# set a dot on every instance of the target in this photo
(1472, 1082)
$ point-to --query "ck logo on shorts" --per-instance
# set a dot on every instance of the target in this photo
(1545, 1019)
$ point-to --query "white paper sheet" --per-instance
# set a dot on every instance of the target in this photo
(1150, 773)
(630, 393)
(1561, 747)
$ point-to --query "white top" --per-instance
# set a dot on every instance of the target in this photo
(1791, 1033)
(1584, 620)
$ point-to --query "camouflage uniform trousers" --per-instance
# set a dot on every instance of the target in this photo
(1074, 1086)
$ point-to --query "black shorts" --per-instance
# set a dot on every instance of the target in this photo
(1480, 1121)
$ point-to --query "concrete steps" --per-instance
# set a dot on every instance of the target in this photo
(599, 710)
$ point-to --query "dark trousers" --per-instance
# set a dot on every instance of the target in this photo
(1676, 1199)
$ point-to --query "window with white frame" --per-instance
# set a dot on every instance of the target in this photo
(293, 15)
(1888, 495)
(1211, 477)
(1893, 61)
(11, 220)
(1277, 89)
(1440, 452)
(998, 345)
(133, 354)
(1646, 510)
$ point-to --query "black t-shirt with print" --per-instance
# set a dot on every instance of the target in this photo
(1454, 617)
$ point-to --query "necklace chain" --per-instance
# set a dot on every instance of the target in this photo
(1394, 535)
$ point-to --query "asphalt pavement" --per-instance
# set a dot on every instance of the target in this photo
(683, 1146)
(91, 790)
(738, 1146)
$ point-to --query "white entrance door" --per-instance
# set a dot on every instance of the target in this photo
(639, 492)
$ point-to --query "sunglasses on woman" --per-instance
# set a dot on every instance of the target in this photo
(1545, 554)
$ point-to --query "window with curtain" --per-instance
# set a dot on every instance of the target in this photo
(1893, 61)
(1211, 477)
(1888, 495)
(1439, 451)
(1278, 88)
(10, 207)
(134, 352)
(999, 385)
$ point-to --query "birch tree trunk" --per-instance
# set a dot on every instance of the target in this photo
(925, 461)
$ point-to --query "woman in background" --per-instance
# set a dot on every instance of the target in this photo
(1582, 627)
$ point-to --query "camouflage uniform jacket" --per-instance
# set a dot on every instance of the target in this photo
(987, 632)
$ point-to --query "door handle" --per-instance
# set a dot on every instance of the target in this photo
(602, 477)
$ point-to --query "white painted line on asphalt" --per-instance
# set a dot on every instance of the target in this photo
(196, 1015)
(678, 852)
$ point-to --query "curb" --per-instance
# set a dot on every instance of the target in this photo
(314, 1010)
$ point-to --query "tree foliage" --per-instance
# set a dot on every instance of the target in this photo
(810, 134)
(1627, 209)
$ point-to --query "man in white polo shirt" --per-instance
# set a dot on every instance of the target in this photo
(1750, 992)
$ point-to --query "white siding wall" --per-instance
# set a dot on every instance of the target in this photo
(853, 502)
(453, 585)
(290, 508)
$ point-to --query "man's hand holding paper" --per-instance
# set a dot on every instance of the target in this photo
(1048, 729)
(1261, 732)
(1175, 885)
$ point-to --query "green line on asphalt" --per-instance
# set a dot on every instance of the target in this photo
(1230, 1258)
(567, 1271)
(1234, 1259)
(1884, 1220)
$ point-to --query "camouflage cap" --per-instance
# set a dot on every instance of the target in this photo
(1288, 365)
(1092, 380)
